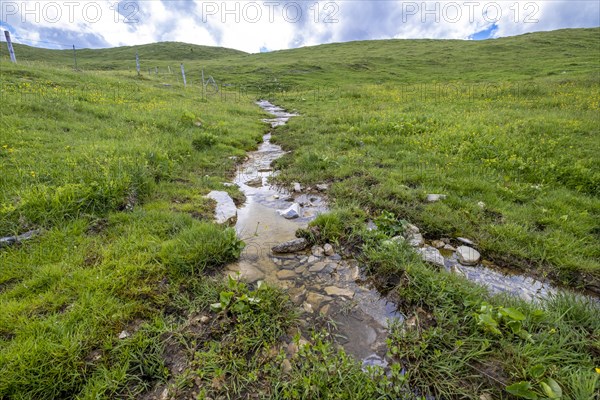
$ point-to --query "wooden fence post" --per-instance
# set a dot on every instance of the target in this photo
(183, 75)
(11, 51)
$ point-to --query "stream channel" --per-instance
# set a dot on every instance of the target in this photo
(326, 287)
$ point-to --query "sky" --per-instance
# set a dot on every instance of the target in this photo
(259, 26)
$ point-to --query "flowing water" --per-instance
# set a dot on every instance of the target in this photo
(325, 287)
(328, 288)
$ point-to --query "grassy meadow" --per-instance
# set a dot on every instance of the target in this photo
(112, 298)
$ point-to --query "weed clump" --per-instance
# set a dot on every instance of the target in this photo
(199, 248)
(204, 141)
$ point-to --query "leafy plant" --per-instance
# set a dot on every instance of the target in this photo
(238, 299)
(389, 224)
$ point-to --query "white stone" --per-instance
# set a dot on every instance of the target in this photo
(466, 241)
(124, 335)
(432, 256)
(467, 255)
(432, 197)
(290, 213)
(297, 187)
(415, 240)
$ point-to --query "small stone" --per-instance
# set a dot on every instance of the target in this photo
(286, 366)
(317, 251)
(297, 294)
(336, 291)
(322, 187)
(276, 196)
(467, 255)
(432, 256)
(415, 240)
(316, 299)
(328, 249)
(410, 228)
(312, 259)
(438, 244)
(256, 182)
(325, 309)
(297, 187)
(290, 213)
(285, 274)
(318, 267)
(335, 257)
(307, 307)
(300, 270)
(481, 204)
(456, 270)
(247, 273)
(204, 319)
(449, 247)
(432, 198)
(124, 335)
(466, 241)
(291, 246)
(394, 241)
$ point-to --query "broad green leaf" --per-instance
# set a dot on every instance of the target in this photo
(537, 371)
(515, 326)
(225, 298)
(489, 323)
(551, 388)
(523, 390)
(512, 313)
(240, 307)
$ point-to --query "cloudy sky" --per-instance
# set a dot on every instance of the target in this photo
(255, 26)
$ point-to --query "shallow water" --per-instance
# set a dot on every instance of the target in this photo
(324, 287)
(329, 290)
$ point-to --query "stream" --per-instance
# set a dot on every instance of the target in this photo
(323, 286)
(328, 289)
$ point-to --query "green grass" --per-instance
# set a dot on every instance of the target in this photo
(112, 169)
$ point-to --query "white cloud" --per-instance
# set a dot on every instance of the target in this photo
(252, 25)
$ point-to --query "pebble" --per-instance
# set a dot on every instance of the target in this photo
(438, 244)
(317, 251)
(336, 291)
(285, 274)
(318, 267)
(466, 241)
(328, 249)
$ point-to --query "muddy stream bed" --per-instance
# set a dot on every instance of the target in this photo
(325, 286)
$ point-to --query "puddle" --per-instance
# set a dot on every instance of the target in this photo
(324, 287)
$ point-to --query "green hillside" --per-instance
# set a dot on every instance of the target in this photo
(120, 57)
(112, 296)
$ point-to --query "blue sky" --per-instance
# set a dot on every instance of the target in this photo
(255, 26)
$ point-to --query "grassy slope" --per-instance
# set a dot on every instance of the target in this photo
(81, 149)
